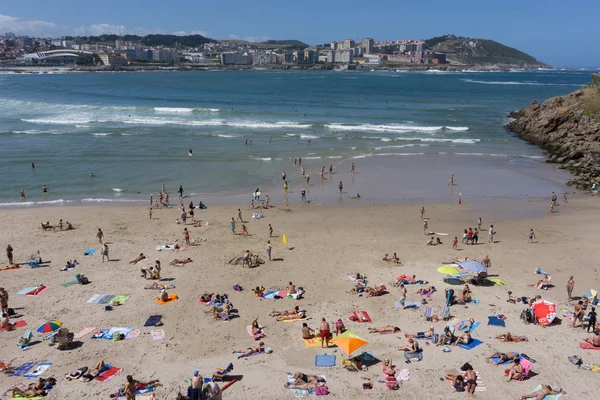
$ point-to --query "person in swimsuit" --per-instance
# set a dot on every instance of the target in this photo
(339, 327)
(541, 394)
(427, 334)
(387, 328)
(324, 330)
(300, 378)
(307, 333)
(76, 374)
(508, 337)
(531, 236)
(92, 373)
(465, 338)
(503, 357)
(570, 286)
(516, 372)
(259, 348)
(138, 259)
(471, 378)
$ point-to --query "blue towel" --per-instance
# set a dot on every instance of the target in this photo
(21, 370)
(474, 343)
(540, 271)
(473, 327)
(89, 252)
(153, 320)
(496, 358)
(495, 321)
(325, 360)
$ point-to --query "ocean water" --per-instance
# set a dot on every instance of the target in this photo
(134, 130)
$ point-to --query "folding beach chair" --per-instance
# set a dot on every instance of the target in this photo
(220, 373)
(25, 340)
(446, 313)
(428, 313)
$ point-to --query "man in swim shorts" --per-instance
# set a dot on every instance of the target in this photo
(324, 329)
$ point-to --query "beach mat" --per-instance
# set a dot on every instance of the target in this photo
(496, 358)
(325, 360)
(83, 331)
(153, 320)
(109, 374)
(294, 320)
(22, 369)
(588, 346)
(38, 293)
(101, 299)
(357, 316)
(495, 321)
(172, 297)
(16, 324)
(67, 284)
(89, 252)
(315, 342)
(548, 397)
(474, 343)
(23, 292)
(37, 371)
(158, 334)
(258, 335)
(408, 304)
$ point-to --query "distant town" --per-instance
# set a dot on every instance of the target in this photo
(196, 50)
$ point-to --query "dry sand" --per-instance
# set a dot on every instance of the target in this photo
(324, 244)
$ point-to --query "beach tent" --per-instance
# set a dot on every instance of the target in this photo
(544, 311)
(349, 342)
(474, 267)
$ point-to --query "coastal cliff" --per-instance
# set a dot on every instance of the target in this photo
(568, 128)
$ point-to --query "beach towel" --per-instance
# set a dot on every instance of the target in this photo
(496, 358)
(108, 374)
(16, 324)
(158, 334)
(293, 320)
(474, 300)
(548, 397)
(325, 360)
(41, 367)
(493, 320)
(139, 394)
(165, 247)
(117, 330)
(9, 268)
(38, 293)
(67, 284)
(23, 292)
(480, 386)
(22, 369)
(299, 391)
(133, 334)
(360, 316)
(474, 343)
(496, 281)
(540, 271)
(315, 342)
(172, 297)
(101, 334)
(153, 320)
(258, 335)
(89, 252)
(119, 299)
(83, 331)
(270, 294)
(101, 299)
(588, 346)
(408, 304)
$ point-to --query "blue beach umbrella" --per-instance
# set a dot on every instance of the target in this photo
(474, 267)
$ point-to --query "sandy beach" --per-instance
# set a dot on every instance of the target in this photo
(324, 244)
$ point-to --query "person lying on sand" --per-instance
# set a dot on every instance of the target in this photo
(92, 373)
(465, 338)
(387, 328)
(541, 394)
(206, 297)
(294, 311)
(300, 315)
(37, 289)
(256, 328)
(427, 334)
(508, 337)
(593, 340)
(258, 348)
(28, 393)
(76, 374)
(138, 259)
(300, 378)
(466, 325)
(503, 357)
(431, 242)
(359, 287)
(426, 292)
(164, 296)
(376, 291)
(181, 261)
(158, 286)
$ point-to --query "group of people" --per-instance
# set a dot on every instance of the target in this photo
(61, 225)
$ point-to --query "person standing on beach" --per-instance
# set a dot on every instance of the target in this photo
(150, 212)
(565, 200)
(99, 235)
(341, 187)
(570, 286)
(455, 243)
(239, 217)
(479, 221)
(270, 231)
(307, 179)
(451, 181)
(150, 197)
(4, 301)
(299, 161)
(186, 236)
(531, 236)
(303, 195)
(180, 190)
(162, 189)
(422, 212)
(285, 186)
(425, 228)
(330, 169)
(269, 248)
(491, 234)
(352, 168)
(104, 252)
(9, 255)
(184, 216)
(232, 226)
(130, 388)
(324, 330)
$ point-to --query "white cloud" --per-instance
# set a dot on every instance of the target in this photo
(256, 39)
(29, 27)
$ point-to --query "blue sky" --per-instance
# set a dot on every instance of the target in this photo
(560, 33)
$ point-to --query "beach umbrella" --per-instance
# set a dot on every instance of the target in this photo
(474, 267)
(284, 239)
(349, 342)
(50, 326)
(448, 270)
(544, 311)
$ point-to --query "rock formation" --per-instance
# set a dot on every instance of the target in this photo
(568, 128)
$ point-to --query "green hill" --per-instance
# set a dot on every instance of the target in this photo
(462, 50)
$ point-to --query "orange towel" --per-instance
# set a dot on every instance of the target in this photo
(172, 298)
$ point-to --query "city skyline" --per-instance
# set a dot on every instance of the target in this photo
(542, 32)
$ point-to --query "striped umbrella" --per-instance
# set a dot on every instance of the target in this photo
(50, 326)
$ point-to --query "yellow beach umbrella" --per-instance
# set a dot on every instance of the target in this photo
(349, 342)
(447, 270)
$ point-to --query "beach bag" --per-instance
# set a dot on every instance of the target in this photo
(321, 391)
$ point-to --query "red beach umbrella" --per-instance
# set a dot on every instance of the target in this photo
(544, 311)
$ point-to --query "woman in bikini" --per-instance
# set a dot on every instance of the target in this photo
(300, 379)
(541, 394)
(259, 348)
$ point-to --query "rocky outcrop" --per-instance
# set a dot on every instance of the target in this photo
(568, 128)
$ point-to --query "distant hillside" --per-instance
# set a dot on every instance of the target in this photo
(462, 50)
(288, 43)
(174, 40)
(269, 44)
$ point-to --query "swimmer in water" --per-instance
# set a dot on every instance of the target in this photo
(190, 153)
(91, 174)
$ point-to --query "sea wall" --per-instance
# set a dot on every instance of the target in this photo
(568, 128)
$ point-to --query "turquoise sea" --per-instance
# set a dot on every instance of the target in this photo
(134, 130)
